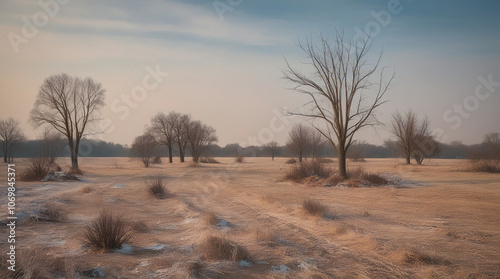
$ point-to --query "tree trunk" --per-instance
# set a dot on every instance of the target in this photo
(170, 153)
(300, 156)
(5, 157)
(408, 159)
(181, 153)
(342, 164)
(73, 148)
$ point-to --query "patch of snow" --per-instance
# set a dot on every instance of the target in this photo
(280, 269)
(189, 220)
(156, 247)
(245, 263)
(119, 186)
(125, 249)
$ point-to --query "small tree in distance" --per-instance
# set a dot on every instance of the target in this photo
(144, 148)
(52, 144)
(10, 136)
(199, 136)
(299, 140)
(272, 148)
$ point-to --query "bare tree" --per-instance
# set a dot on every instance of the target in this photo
(10, 136)
(200, 136)
(272, 148)
(316, 142)
(180, 124)
(52, 144)
(70, 105)
(404, 127)
(299, 140)
(414, 138)
(424, 144)
(162, 127)
(338, 90)
(491, 144)
(144, 148)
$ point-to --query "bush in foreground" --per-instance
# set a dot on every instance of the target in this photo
(36, 169)
(107, 232)
(291, 161)
(219, 248)
(50, 213)
(306, 169)
(156, 187)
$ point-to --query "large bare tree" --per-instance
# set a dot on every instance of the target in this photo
(162, 127)
(339, 89)
(299, 140)
(10, 136)
(70, 105)
(200, 136)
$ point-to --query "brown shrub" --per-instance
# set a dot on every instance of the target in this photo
(49, 213)
(156, 187)
(36, 169)
(306, 169)
(314, 208)
(490, 166)
(219, 248)
(193, 164)
(108, 231)
(334, 179)
(355, 173)
(208, 160)
(291, 161)
(374, 179)
(352, 182)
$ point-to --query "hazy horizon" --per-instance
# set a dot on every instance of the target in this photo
(222, 61)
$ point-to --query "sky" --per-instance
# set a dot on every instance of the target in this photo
(222, 61)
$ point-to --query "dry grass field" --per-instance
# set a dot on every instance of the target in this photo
(433, 221)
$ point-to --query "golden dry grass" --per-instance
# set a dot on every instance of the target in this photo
(439, 221)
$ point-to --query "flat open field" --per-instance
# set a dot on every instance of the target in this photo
(438, 222)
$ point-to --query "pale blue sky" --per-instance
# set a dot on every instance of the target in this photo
(224, 67)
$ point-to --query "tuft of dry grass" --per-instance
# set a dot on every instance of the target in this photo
(239, 159)
(156, 187)
(195, 269)
(314, 208)
(208, 160)
(374, 179)
(334, 179)
(31, 263)
(415, 257)
(86, 189)
(219, 248)
(193, 164)
(107, 231)
(50, 213)
(210, 219)
(291, 161)
(157, 160)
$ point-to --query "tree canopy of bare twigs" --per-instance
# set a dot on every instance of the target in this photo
(70, 105)
(162, 127)
(10, 136)
(272, 148)
(414, 138)
(144, 148)
(299, 140)
(52, 144)
(199, 136)
(339, 87)
(491, 144)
